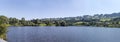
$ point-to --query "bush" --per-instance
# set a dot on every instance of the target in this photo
(3, 30)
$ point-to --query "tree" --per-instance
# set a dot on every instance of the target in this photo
(57, 23)
(63, 23)
(48, 23)
(14, 21)
(36, 21)
(3, 26)
(23, 21)
(4, 19)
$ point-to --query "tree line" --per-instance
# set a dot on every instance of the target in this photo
(34, 22)
(103, 20)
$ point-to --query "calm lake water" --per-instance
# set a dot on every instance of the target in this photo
(63, 34)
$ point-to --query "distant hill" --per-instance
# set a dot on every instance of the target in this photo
(88, 20)
(86, 17)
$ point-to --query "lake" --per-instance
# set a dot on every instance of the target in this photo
(63, 34)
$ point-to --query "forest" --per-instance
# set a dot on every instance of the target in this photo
(101, 20)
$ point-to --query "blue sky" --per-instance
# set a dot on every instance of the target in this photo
(56, 8)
